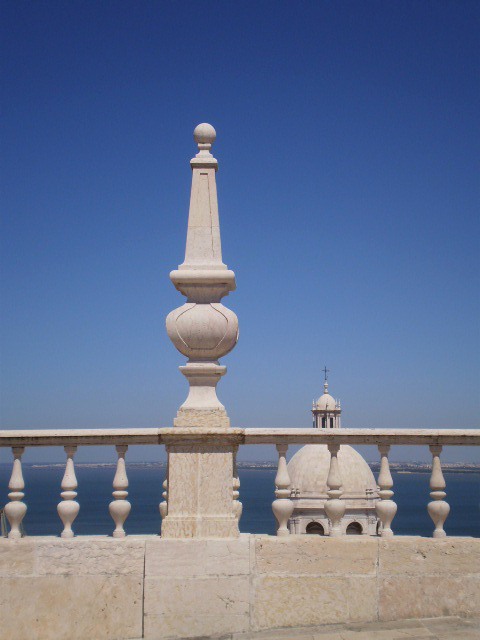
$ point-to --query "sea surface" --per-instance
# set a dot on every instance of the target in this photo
(42, 494)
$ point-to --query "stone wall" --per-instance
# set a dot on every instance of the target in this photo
(148, 587)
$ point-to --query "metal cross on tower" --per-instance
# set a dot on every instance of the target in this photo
(325, 371)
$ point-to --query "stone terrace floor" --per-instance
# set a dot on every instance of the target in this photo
(451, 628)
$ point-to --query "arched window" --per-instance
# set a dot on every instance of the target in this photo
(354, 529)
(315, 528)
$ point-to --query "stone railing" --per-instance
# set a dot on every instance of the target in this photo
(386, 508)
(209, 443)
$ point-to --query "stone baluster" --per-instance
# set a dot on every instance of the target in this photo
(163, 506)
(438, 509)
(237, 505)
(385, 507)
(68, 509)
(120, 507)
(282, 507)
(15, 510)
(334, 506)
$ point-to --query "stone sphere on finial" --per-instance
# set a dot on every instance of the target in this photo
(204, 134)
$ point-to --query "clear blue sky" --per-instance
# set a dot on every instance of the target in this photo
(348, 148)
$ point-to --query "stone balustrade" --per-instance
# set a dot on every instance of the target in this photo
(202, 493)
(217, 442)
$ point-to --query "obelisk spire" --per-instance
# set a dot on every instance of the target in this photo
(203, 329)
(204, 247)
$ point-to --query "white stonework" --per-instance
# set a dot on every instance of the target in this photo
(201, 475)
(200, 492)
(326, 411)
(203, 329)
(308, 470)
(147, 587)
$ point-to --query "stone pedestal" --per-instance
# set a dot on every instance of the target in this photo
(206, 418)
(200, 480)
(200, 496)
(202, 408)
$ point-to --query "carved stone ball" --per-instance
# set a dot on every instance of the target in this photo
(204, 134)
(203, 331)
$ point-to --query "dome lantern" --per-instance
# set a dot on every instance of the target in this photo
(326, 410)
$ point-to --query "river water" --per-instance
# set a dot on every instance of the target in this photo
(42, 489)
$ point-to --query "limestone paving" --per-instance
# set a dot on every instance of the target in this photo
(449, 628)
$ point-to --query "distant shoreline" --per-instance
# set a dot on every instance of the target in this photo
(395, 467)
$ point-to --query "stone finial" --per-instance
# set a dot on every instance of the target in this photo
(203, 329)
(204, 135)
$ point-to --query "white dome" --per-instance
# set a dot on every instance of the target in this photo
(308, 471)
(326, 402)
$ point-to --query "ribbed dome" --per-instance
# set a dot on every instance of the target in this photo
(326, 402)
(308, 470)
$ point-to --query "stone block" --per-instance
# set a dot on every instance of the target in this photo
(289, 601)
(362, 598)
(203, 418)
(71, 608)
(427, 556)
(402, 597)
(316, 555)
(182, 607)
(17, 557)
(89, 556)
(200, 492)
(197, 557)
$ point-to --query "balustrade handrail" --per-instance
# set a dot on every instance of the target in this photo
(293, 436)
(63, 437)
(346, 435)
